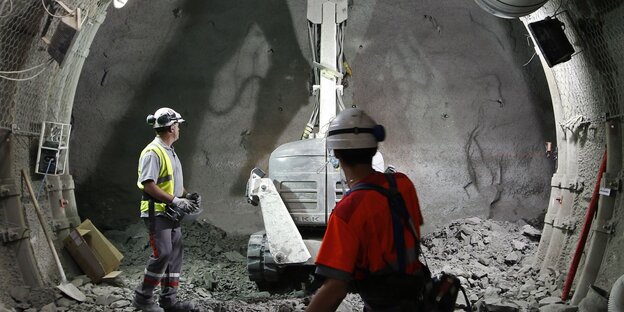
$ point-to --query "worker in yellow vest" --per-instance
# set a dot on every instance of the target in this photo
(164, 204)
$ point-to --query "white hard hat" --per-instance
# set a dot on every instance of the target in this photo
(354, 129)
(118, 4)
(164, 117)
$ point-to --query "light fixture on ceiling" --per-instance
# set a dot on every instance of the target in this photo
(510, 8)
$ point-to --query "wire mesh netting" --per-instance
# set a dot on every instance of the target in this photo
(27, 70)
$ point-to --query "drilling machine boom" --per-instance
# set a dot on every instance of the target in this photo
(300, 190)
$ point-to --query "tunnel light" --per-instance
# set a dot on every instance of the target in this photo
(510, 8)
(552, 41)
(118, 4)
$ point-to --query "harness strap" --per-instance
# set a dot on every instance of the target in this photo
(355, 130)
(151, 211)
(400, 216)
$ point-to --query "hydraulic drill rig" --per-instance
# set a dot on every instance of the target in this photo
(300, 191)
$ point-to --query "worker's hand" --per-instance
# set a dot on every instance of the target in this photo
(184, 204)
(195, 198)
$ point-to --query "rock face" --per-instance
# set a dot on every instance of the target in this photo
(215, 275)
(493, 261)
(470, 133)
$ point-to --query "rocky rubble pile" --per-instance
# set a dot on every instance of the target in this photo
(492, 259)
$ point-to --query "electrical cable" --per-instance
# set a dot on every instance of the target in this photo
(44, 178)
(50, 13)
(340, 102)
(24, 70)
(312, 37)
(10, 8)
(529, 61)
(559, 7)
(528, 39)
(29, 78)
(468, 305)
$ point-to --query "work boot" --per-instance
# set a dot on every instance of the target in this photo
(181, 306)
(146, 306)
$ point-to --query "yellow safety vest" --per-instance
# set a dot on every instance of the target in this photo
(165, 176)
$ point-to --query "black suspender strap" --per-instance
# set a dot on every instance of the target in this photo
(400, 216)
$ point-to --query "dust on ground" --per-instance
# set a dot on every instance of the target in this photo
(492, 259)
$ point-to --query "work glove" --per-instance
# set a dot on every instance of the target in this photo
(184, 204)
(195, 198)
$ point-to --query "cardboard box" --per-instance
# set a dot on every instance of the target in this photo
(93, 252)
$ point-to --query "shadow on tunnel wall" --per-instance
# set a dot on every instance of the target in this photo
(183, 78)
(465, 119)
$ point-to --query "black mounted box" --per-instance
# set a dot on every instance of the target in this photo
(63, 38)
(549, 36)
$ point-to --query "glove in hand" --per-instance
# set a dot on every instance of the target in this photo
(184, 204)
(195, 198)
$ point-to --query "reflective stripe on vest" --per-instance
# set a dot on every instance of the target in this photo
(165, 177)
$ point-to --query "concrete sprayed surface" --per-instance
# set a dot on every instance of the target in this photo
(465, 119)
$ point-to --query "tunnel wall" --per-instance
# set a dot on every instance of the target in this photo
(247, 90)
(35, 89)
(465, 119)
(587, 94)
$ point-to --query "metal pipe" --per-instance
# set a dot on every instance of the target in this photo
(601, 234)
(558, 179)
(561, 228)
(616, 298)
(554, 204)
(71, 209)
(60, 224)
(589, 217)
(18, 233)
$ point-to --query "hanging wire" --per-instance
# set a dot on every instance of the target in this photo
(559, 7)
(50, 13)
(312, 37)
(528, 42)
(44, 178)
(340, 101)
(29, 78)
(340, 61)
(10, 8)
(24, 70)
(313, 40)
(529, 61)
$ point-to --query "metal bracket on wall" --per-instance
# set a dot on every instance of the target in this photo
(567, 225)
(561, 182)
(606, 227)
(59, 225)
(9, 235)
(609, 185)
(8, 190)
(576, 185)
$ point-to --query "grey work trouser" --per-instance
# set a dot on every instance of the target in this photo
(165, 263)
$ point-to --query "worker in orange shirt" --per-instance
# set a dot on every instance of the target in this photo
(369, 243)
